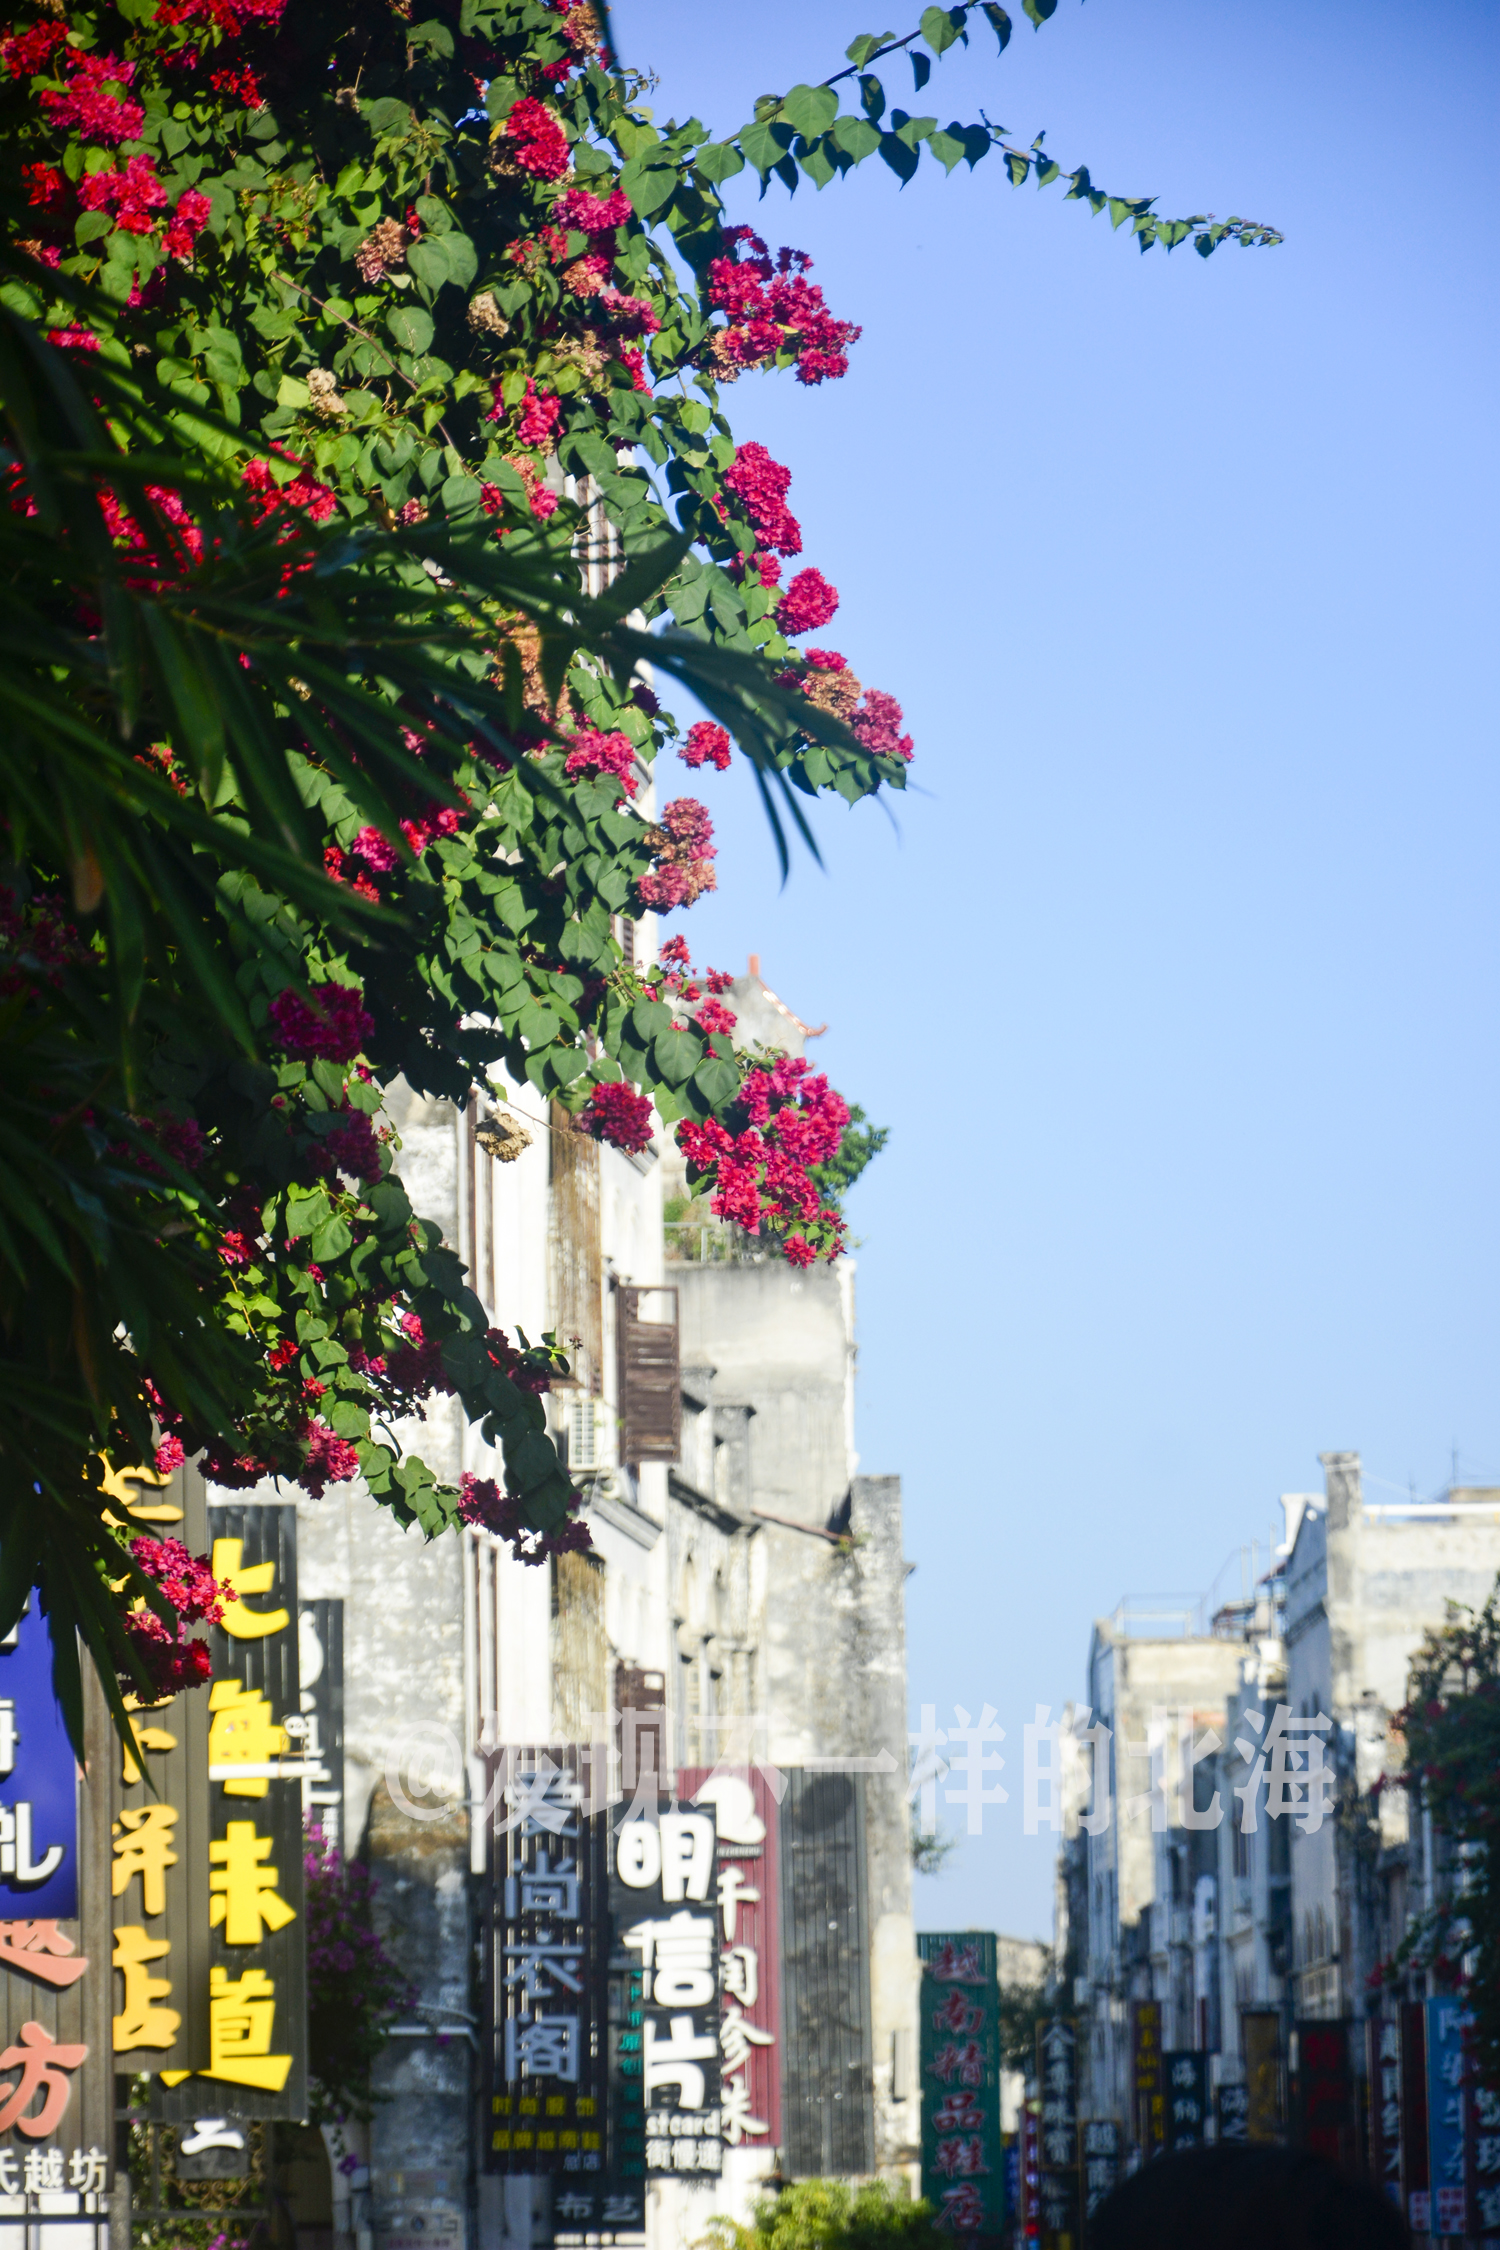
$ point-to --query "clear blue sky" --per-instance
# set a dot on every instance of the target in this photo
(1175, 978)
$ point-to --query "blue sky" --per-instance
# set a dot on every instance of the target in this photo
(1174, 976)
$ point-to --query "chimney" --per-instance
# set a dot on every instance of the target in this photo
(1341, 1484)
(755, 964)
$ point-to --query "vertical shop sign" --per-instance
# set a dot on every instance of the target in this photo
(1260, 2041)
(1414, 2115)
(1323, 2090)
(319, 1726)
(747, 1890)
(257, 1966)
(667, 1917)
(963, 2174)
(1186, 2075)
(56, 2073)
(159, 1812)
(546, 1965)
(1447, 2117)
(1057, 2078)
(1232, 2109)
(1383, 2070)
(1100, 2153)
(1484, 2154)
(1150, 2093)
(1031, 2191)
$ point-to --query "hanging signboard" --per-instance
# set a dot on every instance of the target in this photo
(1186, 2075)
(1232, 2109)
(1414, 2114)
(1260, 2036)
(1150, 2091)
(1447, 2117)
(1057, 2077)
(1101, 2152)
(963, 2171)
(257, 1948)
(747, 1894)
(546, 1966)
(318, 1729)
(56, 2073)
(666, 1911)
(1383, 2070)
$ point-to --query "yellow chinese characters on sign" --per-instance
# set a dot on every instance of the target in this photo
(244, 1887)
(241, 2018)
(241, 1622)
(242, 1732)
(143, 1843)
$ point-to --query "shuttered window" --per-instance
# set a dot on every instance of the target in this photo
(650, 1371)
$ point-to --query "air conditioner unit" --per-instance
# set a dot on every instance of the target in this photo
(590, 1427)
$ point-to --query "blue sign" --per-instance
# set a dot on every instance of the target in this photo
(38, 1783)
(1447, 2120)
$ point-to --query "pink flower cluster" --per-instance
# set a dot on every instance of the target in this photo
(167, 1657)
(416, 1366)
(761, 486)
(761, 1174)
(242, 84)
(772, 309)
(706, 745)
(618, 1114)
(540, 415)
(25, 53)
(877, 723)
(538, 144)
(596, 753)
(224, 16)
(592, 214)
(135, 193)
(330, 1459)
(354, 1148)
(482, 1503)
(808, 604)
(684, 851)
(94, 103)
(331, 1022)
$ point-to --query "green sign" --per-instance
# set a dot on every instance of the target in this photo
(963, 2159)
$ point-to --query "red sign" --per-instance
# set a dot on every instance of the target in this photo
(1031, 2170)
(749, 1874)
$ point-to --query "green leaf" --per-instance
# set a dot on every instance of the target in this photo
(649, 181)
(648, 1018)
(331, 1240)
(941, 26)
(857, 137)
(872, 96)
(719, 161)
(901, 157)
(764, 145)
(411, 327)
(921, 68)
(999, 22)
(810, 110)
(1039, 10)
(676, 1055)
(860, 50)
(717, 1082)
(428, 260)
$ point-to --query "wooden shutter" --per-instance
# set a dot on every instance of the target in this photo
(650, 1377)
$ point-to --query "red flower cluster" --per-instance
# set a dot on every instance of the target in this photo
(592, 214)
(618, 1114)
(714, 1016)
(331, 1022)
(224, 16)
(633, 316)
(354, 1148)
(333, 863)
(25, 53)
(761, 1174)
(682, 844)
(271, 498)
(538, 144)
(242, 84)
(330, 1459)
(706, 745)
(808, 603)
(94, 104)
(540, 415)
(761, 485)
(772, 310)
(167, 1657)
(482, 1504)
(596, 753)
(877, 723)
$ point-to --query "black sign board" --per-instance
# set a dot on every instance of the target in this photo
(1101, 2150)
(1233, 2108)
(319, 1728)
(1186, 2074)
(546, 1964)
(665, 1912)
